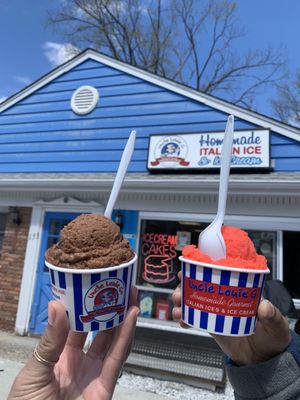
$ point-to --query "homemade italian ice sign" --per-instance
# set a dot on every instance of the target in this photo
(222, 296)
(91, 272)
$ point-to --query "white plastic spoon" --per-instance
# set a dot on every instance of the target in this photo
(211, 241)
(125, 159)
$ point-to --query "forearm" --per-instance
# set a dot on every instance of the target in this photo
(276, 379)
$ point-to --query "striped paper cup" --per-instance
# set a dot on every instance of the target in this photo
(95, 299)
(221, 300)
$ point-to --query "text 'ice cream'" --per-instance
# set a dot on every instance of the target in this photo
(90, 241)
(240, 251)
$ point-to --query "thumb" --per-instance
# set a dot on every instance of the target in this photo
(270, 316)
(274, 324)
(53, 341)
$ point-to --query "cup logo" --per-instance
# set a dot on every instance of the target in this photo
(104, 300)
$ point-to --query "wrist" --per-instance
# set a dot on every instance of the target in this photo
(244, 358)
(294, 347)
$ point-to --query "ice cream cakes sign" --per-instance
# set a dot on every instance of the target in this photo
(203, 151)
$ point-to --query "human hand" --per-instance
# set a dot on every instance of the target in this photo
(272, 335)
(76, 375)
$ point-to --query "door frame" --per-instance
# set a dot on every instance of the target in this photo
(41, 286)
(63, 204)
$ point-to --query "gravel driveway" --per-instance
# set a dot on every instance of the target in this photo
(173, 390)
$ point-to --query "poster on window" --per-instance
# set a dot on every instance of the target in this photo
(203, 151)
(159, 252)
(160, 245)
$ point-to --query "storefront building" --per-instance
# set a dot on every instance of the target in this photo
(61, 140)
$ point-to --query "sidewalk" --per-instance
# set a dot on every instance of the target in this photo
(15, 350)
(11, 369)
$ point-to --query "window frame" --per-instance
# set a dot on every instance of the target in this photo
(276, 224)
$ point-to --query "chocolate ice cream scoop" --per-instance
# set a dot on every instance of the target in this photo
(90, 241)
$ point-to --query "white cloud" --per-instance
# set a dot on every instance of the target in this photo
(23, 79)
(58, 53)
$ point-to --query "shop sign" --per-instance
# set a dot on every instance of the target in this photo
(203, 151)
(158, 252)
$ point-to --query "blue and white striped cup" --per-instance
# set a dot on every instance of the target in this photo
(219, 299)
(95, 299)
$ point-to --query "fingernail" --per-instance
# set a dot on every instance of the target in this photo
(137, 312)
(51, 314)
(270, 309)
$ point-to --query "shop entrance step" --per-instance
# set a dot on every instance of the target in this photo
(177, 357)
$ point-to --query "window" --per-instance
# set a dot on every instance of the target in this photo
(265, 243)
(291, 262)
(160, 245)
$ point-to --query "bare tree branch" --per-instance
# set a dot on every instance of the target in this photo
(189, 41)
(287, 104)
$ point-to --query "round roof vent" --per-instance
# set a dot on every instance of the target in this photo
(84, 100)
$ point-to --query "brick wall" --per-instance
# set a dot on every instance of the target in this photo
(11, 267)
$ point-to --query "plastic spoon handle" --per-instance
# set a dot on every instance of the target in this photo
(225, 168)
(126, 157)
(211, 241)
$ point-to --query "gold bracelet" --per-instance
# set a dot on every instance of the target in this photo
(42, 360)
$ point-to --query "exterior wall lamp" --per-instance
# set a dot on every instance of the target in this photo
(15, 216)
(119, 219)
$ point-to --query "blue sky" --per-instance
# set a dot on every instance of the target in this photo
(29, 50)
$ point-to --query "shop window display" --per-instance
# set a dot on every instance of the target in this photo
(265, 243)
(291, 262)
(160, 245)
(155, 305)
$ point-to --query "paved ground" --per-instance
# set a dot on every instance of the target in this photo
(11, 368)
(15, 350)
